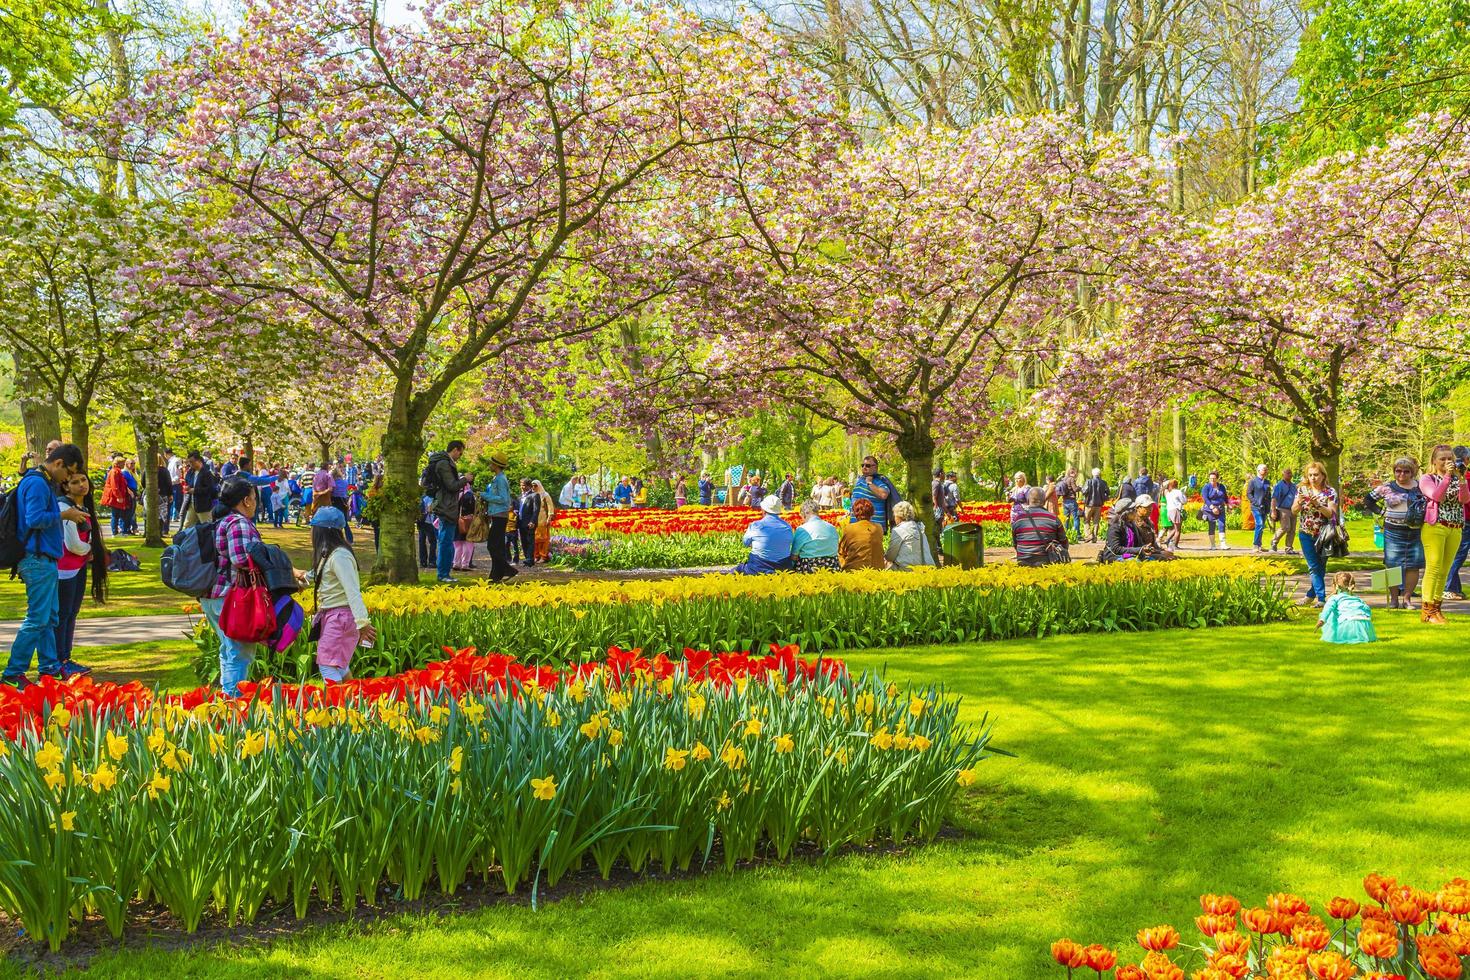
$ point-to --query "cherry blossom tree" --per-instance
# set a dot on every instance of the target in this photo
(419, 191)
(1288, 304)
(884, 287)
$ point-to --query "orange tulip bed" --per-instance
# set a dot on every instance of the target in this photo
(1403, 932)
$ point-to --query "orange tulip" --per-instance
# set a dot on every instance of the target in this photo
(1159, 938)
(1342, 908)
(1286, 904)
(1130, 972)
(1098, 957)
(1378, 886)
(1439, 961)
(1287, 959)
(1453, 899)
(1372, 913)
(1219, 904)
(1331, 966)
(1406, 909)
(1229, 964)
(1378, 943)
(1158, 966)
(1311, 935)
(1068, 953)
(1260, 920)
(1233, 943)
(1213, 924)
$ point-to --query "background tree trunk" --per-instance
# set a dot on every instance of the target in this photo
(917, 450)
(154, 500)
(398, 510)
(38, 413)
(81, 430)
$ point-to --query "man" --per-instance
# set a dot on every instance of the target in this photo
(937, 496)
(769, 541)
(623, 493)
(952, 496)
(38, 525)
(1260, 493)
(497, 507)
(1095, 494)
(706, 489)
(1038, 535)
(1067, 493)
(876, 488)
(231, 466)
(1282, 499)
(174, 489)
(203, 491)
(788, 493)
(568, 496)
(1144, 484)
(441, 479)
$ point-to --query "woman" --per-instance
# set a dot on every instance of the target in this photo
(234, 533)
(908, 545)
(464, 548)
(814, 545)
(1315, 505)
(543, 521)
(1216, 499)
(1017, 495)
(1444, 520)
(860, 545)
(1049, 498)
(116, 497)
(681, 493)
(83, 546)
(1131, 533)
(1403, 508)
(1173, 509)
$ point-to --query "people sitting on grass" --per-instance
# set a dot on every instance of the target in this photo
(861, 543)
(814, 543)
(769, 541)
(1131, 535)
(908, 544)
(1037, 533)
(1345, 618)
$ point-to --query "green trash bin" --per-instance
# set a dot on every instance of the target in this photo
(963, 544)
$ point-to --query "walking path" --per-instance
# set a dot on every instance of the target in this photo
(115, 630)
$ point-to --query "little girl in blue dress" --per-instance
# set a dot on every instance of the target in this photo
(1345, 618)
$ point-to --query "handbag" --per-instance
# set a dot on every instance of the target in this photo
(1332, 541)
(478, 529)
(248, 615)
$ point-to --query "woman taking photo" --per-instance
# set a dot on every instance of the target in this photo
(1444, 519)
(1315, 506)
(1403, 506)
(83, 547)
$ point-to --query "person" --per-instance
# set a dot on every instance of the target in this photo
(640, 496)
(1038, 534)
(175, 484)
(681, 492)
(428, 533)
(341, 617)
(1258, 493)
(1174, 501)
(623, 493)
(130, 512)
(543, 521)
(952, 496)
(753, 492)
(788, 492)
(38, 526)
(878, 491)
(1067, 495)
(321, 487)
(1402, 505)
(1216, 499)
(441, 478)
(1050, 499)
(1314, 506)
(464, 548)
(497, 508)
(814, 543)
(706, 489)
(860, 544)
(936, 495)
(908, 543)
(1131, 534)
(1125, 492)
(769, 540)
(234, 533)
(1346, 618)
(568, 495)
(1095, 494)
(116, 495)
(1444, 518)
(1454, 588)
(203, 488)
(164, 482)
(1017, 494)
(231, 466)
(526, 517)
(825, 493)
(1282, 498)
(81, 546)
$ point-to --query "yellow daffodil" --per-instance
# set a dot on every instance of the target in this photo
(732, 756)
(901, 741)
(69, 820)
(252, 744)
(865, 704)
(156, 741)
(676, 759)
(544, 789)
(882, 740)
(552, 719)
(752, 727)
(724, 802)
(921, 743)
(783, 743)
(615, 737)
(917, 706)
(55, 778)
(454, 788)
(60, 717)
(473, 711)
(48, 756)
(216, 742)
(438, 714)
(696, 706)
(965, 777)
(618, 700)
(160, 783)
(117, 746)
(577, 691)
(456, 759)
(104, 778)
(701, 752)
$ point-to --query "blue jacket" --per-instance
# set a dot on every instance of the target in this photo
(769, 538)
(706, 492)
(1216, 498)
(37, 511)
(497, 496)
(1284, 495)
(1259, 492)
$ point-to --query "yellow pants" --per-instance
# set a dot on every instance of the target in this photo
(1440, 545)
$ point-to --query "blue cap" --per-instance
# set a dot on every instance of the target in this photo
(328, 517)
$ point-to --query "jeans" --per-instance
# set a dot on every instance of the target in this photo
(1454, 584)
(69, 595)
(1440, 546)
(119, 521)
(1262, 515)
(36, 638)
(447, 527)
(1213, 524)
(1072, 516)
(1316, 564)
(178, 504)
(234, 657)
(428, 545)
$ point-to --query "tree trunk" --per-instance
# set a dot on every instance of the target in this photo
(325, 446)
(917, 450)
(1181, 455)
(153, 498)
(38, 413)
(1327, 450)
(247, 453)
(81, 429)
(1107, 456)
(398, 507)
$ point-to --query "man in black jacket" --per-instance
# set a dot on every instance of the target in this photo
(442, 481)
(1095, 493)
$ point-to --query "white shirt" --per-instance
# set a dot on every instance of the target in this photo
(341, 586)
(823, 496)
(568, 493)
(175, 467)
(1174, 500)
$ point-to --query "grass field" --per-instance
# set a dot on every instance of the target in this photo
(1149, 768)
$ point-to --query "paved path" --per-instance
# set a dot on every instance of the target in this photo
(114, 630)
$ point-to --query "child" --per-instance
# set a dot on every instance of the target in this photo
(1345, 618)
(341, 621)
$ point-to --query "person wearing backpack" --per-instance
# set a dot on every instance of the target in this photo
(441, 480)
(82, 546)
(340, 622)
(37, 546)
(234, 533)
(1095, 494)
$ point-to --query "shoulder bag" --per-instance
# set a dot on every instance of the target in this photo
(248, 615)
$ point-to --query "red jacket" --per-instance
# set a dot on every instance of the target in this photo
(115, 492)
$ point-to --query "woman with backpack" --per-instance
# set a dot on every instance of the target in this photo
(82, 546)
(1444, 519)
(1402, 505)
(234, 533)
(340, 623)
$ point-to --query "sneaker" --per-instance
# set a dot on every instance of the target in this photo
(18, 681)
(72, 669)
(1308, 601)
(448, 581)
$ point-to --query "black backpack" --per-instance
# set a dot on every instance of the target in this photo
(12, 548)
(190, 564)
(428, 480)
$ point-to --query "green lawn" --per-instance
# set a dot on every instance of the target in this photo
(1150, 768)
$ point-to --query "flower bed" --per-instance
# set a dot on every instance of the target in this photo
(477, 766)
(1406, 933)
(821, 612)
